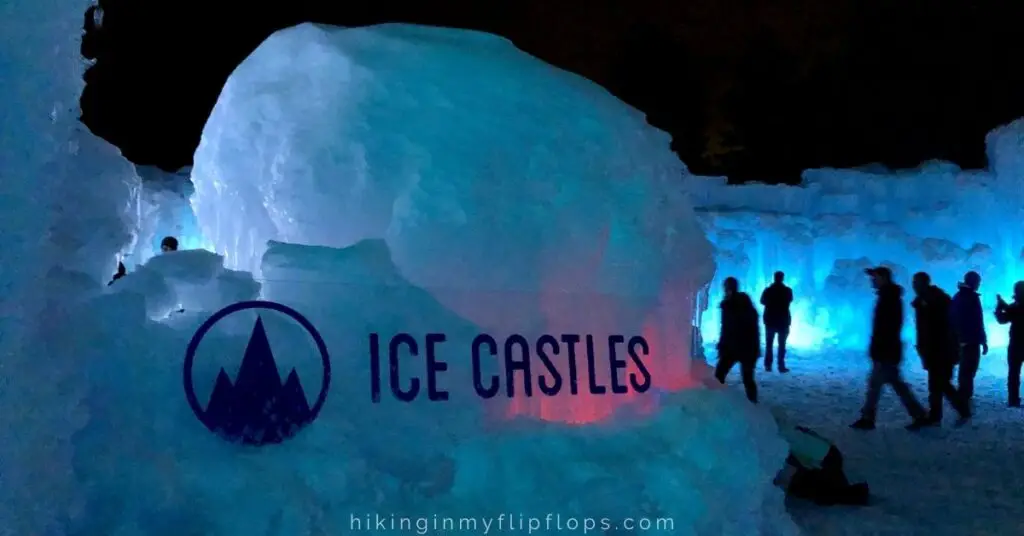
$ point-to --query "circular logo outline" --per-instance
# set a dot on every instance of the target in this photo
(197, 337)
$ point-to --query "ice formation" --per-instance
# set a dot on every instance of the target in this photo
(99, 439)
(522, 197)
(412, 460)
(163, 209)
(65, 209)
(824, 232)
(445, 181)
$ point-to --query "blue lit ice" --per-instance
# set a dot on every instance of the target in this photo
(823, 233)
(99, 440)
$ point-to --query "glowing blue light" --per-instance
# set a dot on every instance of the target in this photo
(821, 320)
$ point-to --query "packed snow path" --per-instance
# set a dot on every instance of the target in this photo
(938, 482)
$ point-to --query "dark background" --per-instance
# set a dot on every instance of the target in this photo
(756, 89)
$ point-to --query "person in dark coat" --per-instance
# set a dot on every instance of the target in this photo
(969, 325)
(886, 352)
(937, 347)
(740, 338)
(777, 319)
(1013, 314)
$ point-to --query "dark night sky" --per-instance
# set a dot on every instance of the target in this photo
(756, 89)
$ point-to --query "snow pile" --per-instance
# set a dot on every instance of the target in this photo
(823, 233)
(417, 459)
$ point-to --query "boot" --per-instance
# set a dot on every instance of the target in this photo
(919, 423)
(863, 424)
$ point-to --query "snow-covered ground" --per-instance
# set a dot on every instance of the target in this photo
(942, 481)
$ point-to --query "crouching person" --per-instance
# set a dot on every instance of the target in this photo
(814, 468)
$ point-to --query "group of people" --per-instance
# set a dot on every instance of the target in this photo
(740, 338)
(950, 333)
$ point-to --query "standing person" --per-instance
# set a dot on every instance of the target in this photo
(1013, 314)
(777, 319)
(969, 325)
(740, 340)
(937, 347)
(886, 351)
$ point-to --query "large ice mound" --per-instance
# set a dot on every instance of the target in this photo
(824, 232)
(404, 179)
(517, 194)
(149, 467)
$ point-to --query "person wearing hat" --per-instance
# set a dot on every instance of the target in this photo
(886, 352)
(969, 325)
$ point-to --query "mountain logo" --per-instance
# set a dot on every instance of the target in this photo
(257, 408)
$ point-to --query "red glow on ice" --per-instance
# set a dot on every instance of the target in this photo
(664, 322)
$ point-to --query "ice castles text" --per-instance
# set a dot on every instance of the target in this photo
(529, 366)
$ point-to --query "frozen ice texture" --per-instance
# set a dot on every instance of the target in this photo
(163, 209)
(823, 233)
(99, 440)
(193, 280)
(65, 211)
(518, 195)
(456, 459)
(404, 179)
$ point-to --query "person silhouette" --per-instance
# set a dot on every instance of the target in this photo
(969, 326)
(937, 347)
(886, 352)
(1013, 314)
(739, 341)
(777, 319)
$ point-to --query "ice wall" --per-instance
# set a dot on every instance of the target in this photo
(523, 197)
(150, 468)
(64, 200)
(824, 232)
